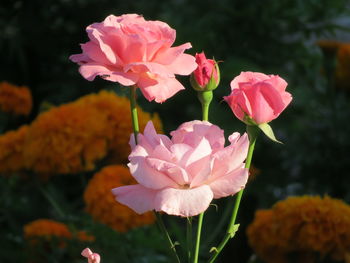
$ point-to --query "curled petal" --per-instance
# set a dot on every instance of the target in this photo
(138, 198)
(184, 202)
(230, 183)
(92, 257)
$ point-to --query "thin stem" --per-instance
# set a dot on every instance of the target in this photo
(205, 112)
(135, 126)
(52, 201)
(134, 116)
(189, 238)
(198, 239)
(172, 245)
(231, 229)
(205, 97)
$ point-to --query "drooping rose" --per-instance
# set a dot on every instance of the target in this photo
(257, 96)
(132, 51)
(91, 257)
(207, 75)
(181, 176)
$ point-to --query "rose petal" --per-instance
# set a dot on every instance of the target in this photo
(159, 89)
(230, 183)
(184, 202)
(138, 198)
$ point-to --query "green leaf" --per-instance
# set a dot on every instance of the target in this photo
(266, 128)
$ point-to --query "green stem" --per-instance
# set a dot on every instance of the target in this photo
(205, 97)
(198, 239)
(172, 245)
(52, 201)
(134, 117)
(189, 238)
(135, 126)
(253, 132)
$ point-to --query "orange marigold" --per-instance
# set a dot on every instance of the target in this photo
(11, 150)
(15, 99)
(305, 229)
(342, 71)
(72, 137)
(100, 203)
(47, 229)
(341, 53)
(117, 111)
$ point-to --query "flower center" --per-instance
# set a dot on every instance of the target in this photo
(185, 186)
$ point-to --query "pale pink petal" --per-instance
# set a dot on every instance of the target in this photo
(138, 198)
(202, 150)
(153, 68)
(200, 171)
(91, 70)
(184, 65)
(80, 58)
(229, 184)
(92, 257)
(98, 35)
(179, 150)
(171, 170)
(277, 82)
(192, 132)
(169, 55)
(232, 156)
(184, 202)
(94, 52)
(147, 175)
(159, 89)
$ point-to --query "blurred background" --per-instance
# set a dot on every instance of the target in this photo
(305, 42)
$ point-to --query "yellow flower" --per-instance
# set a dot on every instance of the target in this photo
(100, 203)
(15, 99)
(46, 229)
(11, 150)
(302, 227)
(71, 138)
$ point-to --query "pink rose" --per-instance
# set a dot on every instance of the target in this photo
(92, 257)
(181, 176)
(206, 70)
(132, 51)
(260, 97)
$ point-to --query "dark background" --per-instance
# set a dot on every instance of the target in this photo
(269, 36)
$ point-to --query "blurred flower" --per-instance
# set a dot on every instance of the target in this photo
(11, 150)
(15, 99)
(257, 97)
(132, 51)
(182, 175)
(307, 228)
(71, 138)
(328, 47)
(340, 53)
(342, 70)
(100, 203)
(206, 76)
(46, 229)
(117, 112)
(92, 257)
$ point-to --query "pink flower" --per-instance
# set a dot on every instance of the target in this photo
(180, 176)
(206, 70)
(92, 257)
(258, 96)
(132, 51)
